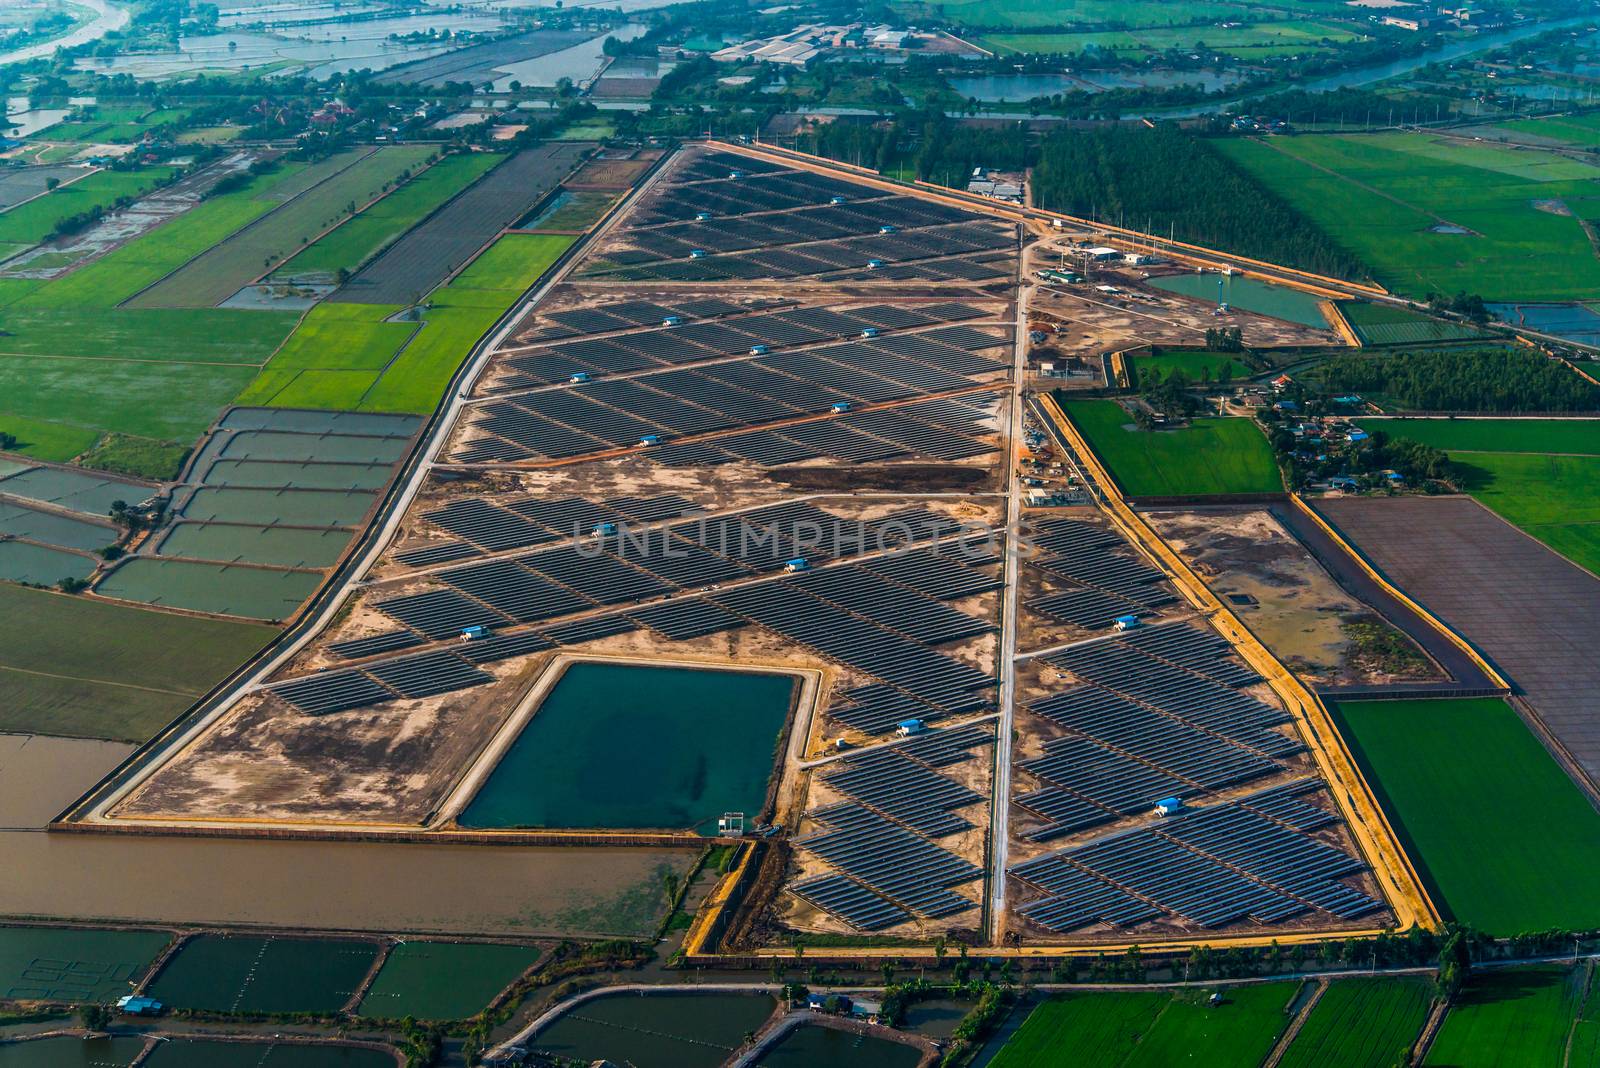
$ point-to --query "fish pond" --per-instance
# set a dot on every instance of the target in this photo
(1263, 298)
(444, 980)
(210, 1053)
(250, 973)
(809, 1045)
(631, 746)
(657, 1030)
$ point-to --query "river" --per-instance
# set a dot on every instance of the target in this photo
(108, 17)
(1359, 76)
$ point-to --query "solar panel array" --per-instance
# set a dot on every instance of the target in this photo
(629, 314)
(483, 526)
(594, 416)
(935, 429)
(720, 217)
(552, 358)
(418, 675)
(1158, 714)
(1103, 579)
(1250, 859)
(880, 843)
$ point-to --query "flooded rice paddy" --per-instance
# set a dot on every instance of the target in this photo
(222, 589)
(631, 746)
(281, 546)
(444, 980)
(1263, 298)
(657, 1030)
(40, 565)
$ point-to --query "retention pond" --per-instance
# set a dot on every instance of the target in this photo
(630, 746)
(1263, 298)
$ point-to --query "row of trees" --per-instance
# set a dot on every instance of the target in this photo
(1164, 180)
(1463, 380)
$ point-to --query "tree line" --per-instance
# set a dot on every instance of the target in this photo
(1165, 181)
(1462, 380)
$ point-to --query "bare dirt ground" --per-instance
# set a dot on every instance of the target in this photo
(1286, 598)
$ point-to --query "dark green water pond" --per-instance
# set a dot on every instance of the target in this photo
(228, 973)
(656, 1030)
(70, 1053)
(809, 1045)
(200, 1053)
(444, 980)
(631, 746)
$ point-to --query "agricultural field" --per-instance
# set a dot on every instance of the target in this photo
(375, 226)
(428, 255)
(83, 668)
(1434, 216)
(33, 221)
(1580, 130)
(1554, 498)
(1195, 366)
(1510, 1016)
(1361, 1023)
(1211, 456)
(345, 182)
(1253, 40)
(1385, 324)
(1576, 436)
(228, 973)
(1499, 831)
(1541, 475)
(444, 980)
(1023, 14)
(1154, 1027)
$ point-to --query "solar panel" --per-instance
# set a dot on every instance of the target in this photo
(387, 642)
(332, 691)
(427, 674)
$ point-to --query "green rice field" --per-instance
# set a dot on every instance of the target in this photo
(1541, 475)
(1554, 498)
(1395, 200)
(355, 176)
(444, 980)
(1211, 366)
(683, 1030)
(1578, 436)
(1497, 829)
(204, 1053)
(376, 225)
(1252, 40)
(1385, 324)
(703, 744)
(1151, 1027)
(221, 589)
(240, 973)
(354, 359)
(33, 221)
(1023, 14)
(1209, 457)
(90, 669)
(1510, 1016)
(62, 964)
(1361, 1023)
(71, 1053)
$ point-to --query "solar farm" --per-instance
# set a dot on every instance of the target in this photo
(764, 422)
